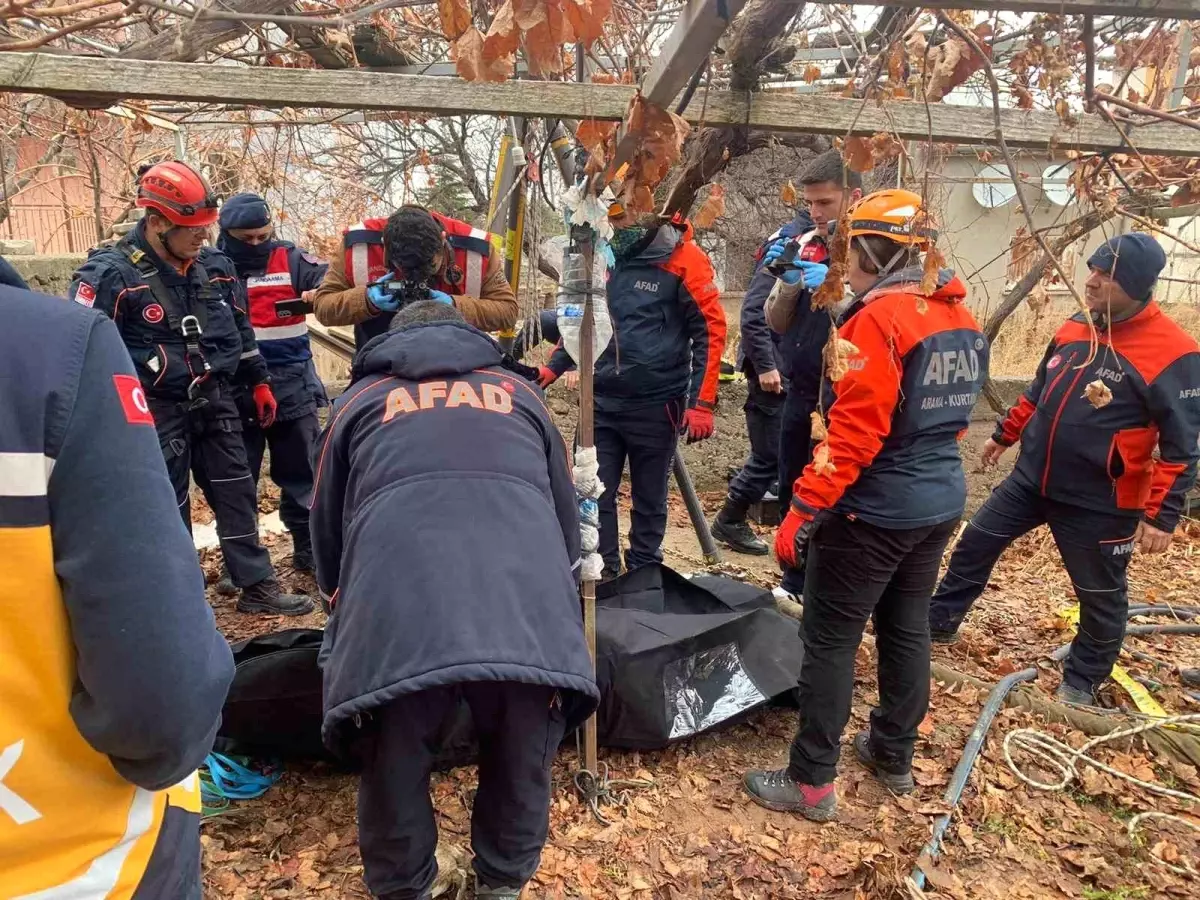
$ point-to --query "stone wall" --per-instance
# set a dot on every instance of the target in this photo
(47, 274)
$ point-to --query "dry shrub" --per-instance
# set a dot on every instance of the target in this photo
(1023, 340)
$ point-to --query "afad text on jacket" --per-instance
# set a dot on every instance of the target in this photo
(901, 407)
(1104, 458)
(445, 528)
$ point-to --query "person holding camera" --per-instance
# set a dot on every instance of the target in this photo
(274, 278)
(415, 253)
(186, 330)
(436, 444)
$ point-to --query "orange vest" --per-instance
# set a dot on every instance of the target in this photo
(463, 276)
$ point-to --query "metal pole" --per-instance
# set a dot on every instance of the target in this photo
(1185, 56)
(712, 554)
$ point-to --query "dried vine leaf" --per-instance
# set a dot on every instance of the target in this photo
(455, 16)
(951, 64)
(812, 73)
(587, 18)
(596, 136)
(529, 14)
(831, 291)
(821, 463)
(787, 193)
(819, 431)
(474, 63)
(929, 273)
(1038, 298)
(857, 153)
(1098, 394)
(660, 135)
(713, 208)
(837, 353)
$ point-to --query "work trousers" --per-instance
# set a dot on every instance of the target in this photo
(519, 728)
(647, 437)
(291, 444)
(1095, 548)
(761, 469)
(858, 571)
(795, 452)
(207, 442)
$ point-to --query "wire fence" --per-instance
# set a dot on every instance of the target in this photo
(52, 228)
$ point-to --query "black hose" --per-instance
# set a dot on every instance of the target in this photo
(963, 770)
(1163, 629)
(691, 87)
(1164, 609)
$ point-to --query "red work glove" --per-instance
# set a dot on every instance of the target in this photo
(546, 377)
(791, 541)
(264, 402)
(698, 424)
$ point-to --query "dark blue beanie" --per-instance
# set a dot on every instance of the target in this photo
(244, 211)
(1134, 261)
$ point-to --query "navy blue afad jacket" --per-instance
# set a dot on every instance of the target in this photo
(796, 354)
(1104, 459)
(668, 328)
(445, 529)
(112, 672)
(113, 284)
(917, 368)
(296, 386)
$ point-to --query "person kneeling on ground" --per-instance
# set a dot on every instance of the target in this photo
(433, 449)
(878, 504)
(1088, 465)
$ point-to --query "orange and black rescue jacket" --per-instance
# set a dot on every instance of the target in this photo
(919, 365)
(1104, 458)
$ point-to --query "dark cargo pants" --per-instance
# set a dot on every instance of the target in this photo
(795, 452)
(761, 469)
(857, 571)
(208, 442)
(519, 728)
(1095, 548)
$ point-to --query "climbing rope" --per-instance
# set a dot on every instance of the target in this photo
(225, 778)
(1065, 759)
(597, 789)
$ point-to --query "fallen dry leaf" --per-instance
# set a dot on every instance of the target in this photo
(1098, 394)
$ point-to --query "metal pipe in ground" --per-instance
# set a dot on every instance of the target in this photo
(708, 546)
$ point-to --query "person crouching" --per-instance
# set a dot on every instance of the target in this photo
(446, 535)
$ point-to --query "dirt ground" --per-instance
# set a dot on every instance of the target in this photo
(694, 834)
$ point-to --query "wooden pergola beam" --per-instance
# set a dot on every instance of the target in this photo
(1132, 9)
(89, 80)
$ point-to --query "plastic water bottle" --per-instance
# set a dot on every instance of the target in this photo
(570, 300)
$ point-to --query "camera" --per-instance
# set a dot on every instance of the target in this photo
(407, 290)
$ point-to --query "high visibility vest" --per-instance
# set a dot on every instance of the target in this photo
(281, 339)
(463, 274)
(71, 828)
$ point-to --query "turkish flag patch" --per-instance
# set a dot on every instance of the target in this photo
(85, 294)
(133, 400)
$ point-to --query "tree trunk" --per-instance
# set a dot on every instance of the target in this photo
(750, 46)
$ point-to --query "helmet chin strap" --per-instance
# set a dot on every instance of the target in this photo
(883, 269)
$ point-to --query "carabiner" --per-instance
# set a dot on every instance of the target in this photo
(187, 323)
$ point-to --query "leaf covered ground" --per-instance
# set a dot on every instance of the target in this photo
(693, 833)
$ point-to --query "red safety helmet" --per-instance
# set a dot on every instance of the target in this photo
(179, 192)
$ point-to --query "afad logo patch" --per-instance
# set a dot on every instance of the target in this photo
(153, 313)
(1054, 361)
(85, 295)
(133, 400)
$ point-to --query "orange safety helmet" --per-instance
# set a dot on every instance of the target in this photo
(179, 193)
(895, 214)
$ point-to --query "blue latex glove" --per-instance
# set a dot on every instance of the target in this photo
(382, 299)
(441, 297)
(810, 274)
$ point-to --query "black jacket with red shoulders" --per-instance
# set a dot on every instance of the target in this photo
(1103, 458)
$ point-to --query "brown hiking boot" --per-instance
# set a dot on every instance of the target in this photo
(267, 597)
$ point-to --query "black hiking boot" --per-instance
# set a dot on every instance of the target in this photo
(225, 586)
(302, 555)
(267, 597)
(483, 892)
(894, 781)
(1068, 693)
(943, 637)
(777, 790)
(730, 528)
